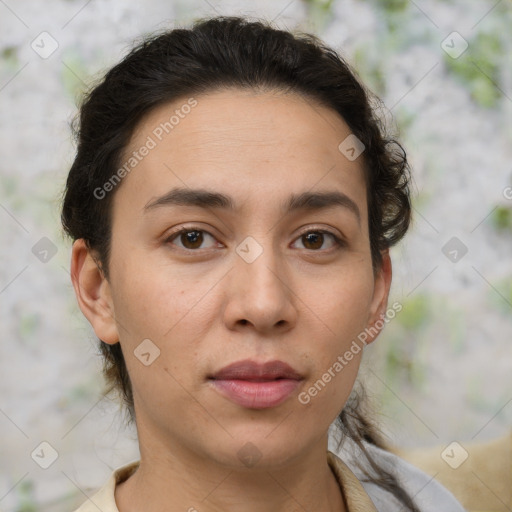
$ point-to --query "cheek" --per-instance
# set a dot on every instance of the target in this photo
(344, 300)
(339, 314)
(336, 364)
(153, 300)
(171, 308)
(158, 306)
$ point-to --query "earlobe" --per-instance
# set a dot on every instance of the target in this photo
(93, 294)
(380, 297)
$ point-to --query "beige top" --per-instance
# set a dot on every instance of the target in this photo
(355, 496)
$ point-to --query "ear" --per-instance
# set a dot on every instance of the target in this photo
(380, 298)
(93, 292)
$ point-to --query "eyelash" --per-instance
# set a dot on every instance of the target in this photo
(338, 242)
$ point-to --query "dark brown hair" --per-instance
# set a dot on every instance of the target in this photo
(213, 54)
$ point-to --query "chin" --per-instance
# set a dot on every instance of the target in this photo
(249, 451)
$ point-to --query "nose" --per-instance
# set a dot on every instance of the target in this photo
(260, 295)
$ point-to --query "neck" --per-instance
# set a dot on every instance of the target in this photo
(177, 480)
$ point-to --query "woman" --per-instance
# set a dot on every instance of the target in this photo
(232, 203)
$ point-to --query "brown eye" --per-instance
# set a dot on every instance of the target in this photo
(190, 239)
(314, 240)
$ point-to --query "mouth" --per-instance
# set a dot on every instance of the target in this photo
(255, 385)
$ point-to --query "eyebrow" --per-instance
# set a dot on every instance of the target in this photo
(308, 201)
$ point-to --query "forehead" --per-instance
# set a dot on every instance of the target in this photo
(242, 142)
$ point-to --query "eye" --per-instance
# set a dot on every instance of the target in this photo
(314, 240)
(191, 238)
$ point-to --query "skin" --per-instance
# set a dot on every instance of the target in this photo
(301, 302)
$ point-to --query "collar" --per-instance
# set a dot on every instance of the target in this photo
(355, 496)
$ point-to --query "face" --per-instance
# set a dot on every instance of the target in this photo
(240, 235)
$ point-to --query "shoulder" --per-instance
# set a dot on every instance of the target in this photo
(104, 498)
(429, 495)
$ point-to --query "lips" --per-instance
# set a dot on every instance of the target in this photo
(256, 385)
(257, 372)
